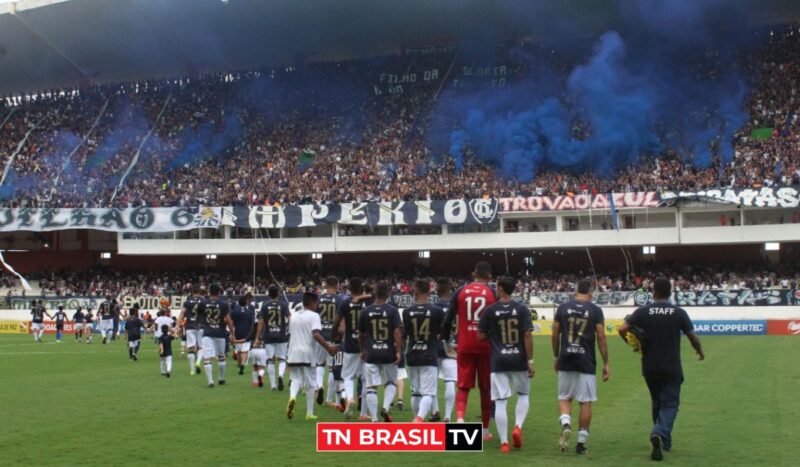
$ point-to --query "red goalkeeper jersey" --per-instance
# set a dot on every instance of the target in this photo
(468, 304)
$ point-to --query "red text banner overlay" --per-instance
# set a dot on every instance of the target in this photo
(399, 437)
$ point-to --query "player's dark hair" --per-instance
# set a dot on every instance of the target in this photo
(248, 297)
(272, 292)
(164, 328)
(133, 312)
(443, 286)
(382, 291)
(507, 284)
(584, 286)
(662, 288)
(242, 301)
(483, 270)
(331, 282)
(422, 286)
(214, 290)
(309, 299)
(356, 286)
(197, 289)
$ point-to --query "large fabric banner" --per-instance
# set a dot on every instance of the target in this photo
(784, 197)
(648, 199)
(141, 219)
(383, 213)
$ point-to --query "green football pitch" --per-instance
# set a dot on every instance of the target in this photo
(88, 404)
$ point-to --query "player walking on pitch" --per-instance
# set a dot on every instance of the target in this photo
(60, 318)
(77, 323)
(243, 317)
(38, 312)
(577, 325)
(349, 312)
(507, 326)
(133, 329)
(660, 325)
(190, 326)
(216, 316)
(328, 305)
(273, 332)
(306, 331)
(380, 338)
(420, 322)
(473, 356)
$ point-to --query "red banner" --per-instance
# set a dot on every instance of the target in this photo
(399, 437)
(644, 199)
(783, 327)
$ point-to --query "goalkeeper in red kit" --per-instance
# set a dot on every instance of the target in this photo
(472, 354)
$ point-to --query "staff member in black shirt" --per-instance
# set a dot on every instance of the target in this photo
(661, 324)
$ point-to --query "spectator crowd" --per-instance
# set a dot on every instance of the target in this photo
(325, 134)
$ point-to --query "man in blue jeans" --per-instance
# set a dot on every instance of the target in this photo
(659, 326)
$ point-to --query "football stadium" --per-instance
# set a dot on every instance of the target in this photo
(287, 232)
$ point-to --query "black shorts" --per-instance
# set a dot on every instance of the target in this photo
(336, 369)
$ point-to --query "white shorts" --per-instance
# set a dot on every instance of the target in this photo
(133, 344)
(37, 326)
(402, 373)
(106, 325)
(77, 326)
(423, 380)
(448, 369)
(573, 385)
(242, 347)
(376, 374)
(323, 357)
(193, 337)
(213, 347)
(277, 350)
(351, 365)
(258, 356)
(307, 375)
(505, 383)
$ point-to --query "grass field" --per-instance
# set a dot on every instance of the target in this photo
(88, 404)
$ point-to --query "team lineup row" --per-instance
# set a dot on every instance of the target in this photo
(475, 333)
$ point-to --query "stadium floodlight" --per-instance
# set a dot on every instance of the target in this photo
(211, 256)
(105, 255)
(425, 254)
(316, 256)
(772, 246)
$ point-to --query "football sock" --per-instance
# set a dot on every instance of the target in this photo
(372, 404)
(163, 365)
(273, 380)
(425, 406)
(331, 394)
(501, 419)
(209, 372)
(564, 419)
(486, 408)
(223, 365)
(521, 411)
(169, 363)
(415, 403)
(449, 398)
(583, 435)
(130, 352)
(294, 388)
(388, 396)
(349, 386)
(461, 402)
(320, 376)
(435, 404)
(255, 375)
(281, 367)
(309, 401)
(192, 358)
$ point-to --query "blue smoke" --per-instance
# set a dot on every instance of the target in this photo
(206, 142)
(668, 78)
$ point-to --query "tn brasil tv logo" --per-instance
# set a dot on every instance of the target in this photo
(399, 437)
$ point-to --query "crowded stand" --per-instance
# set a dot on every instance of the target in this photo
(326, 133)
(694, 278)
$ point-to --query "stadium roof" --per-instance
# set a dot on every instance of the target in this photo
(46, 44)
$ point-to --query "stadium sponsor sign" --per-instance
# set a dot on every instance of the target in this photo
(783, 197)
(399, 437)
(647, 199)
(731, 328)
(783, 327)
(141, 219)
(13, 327)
